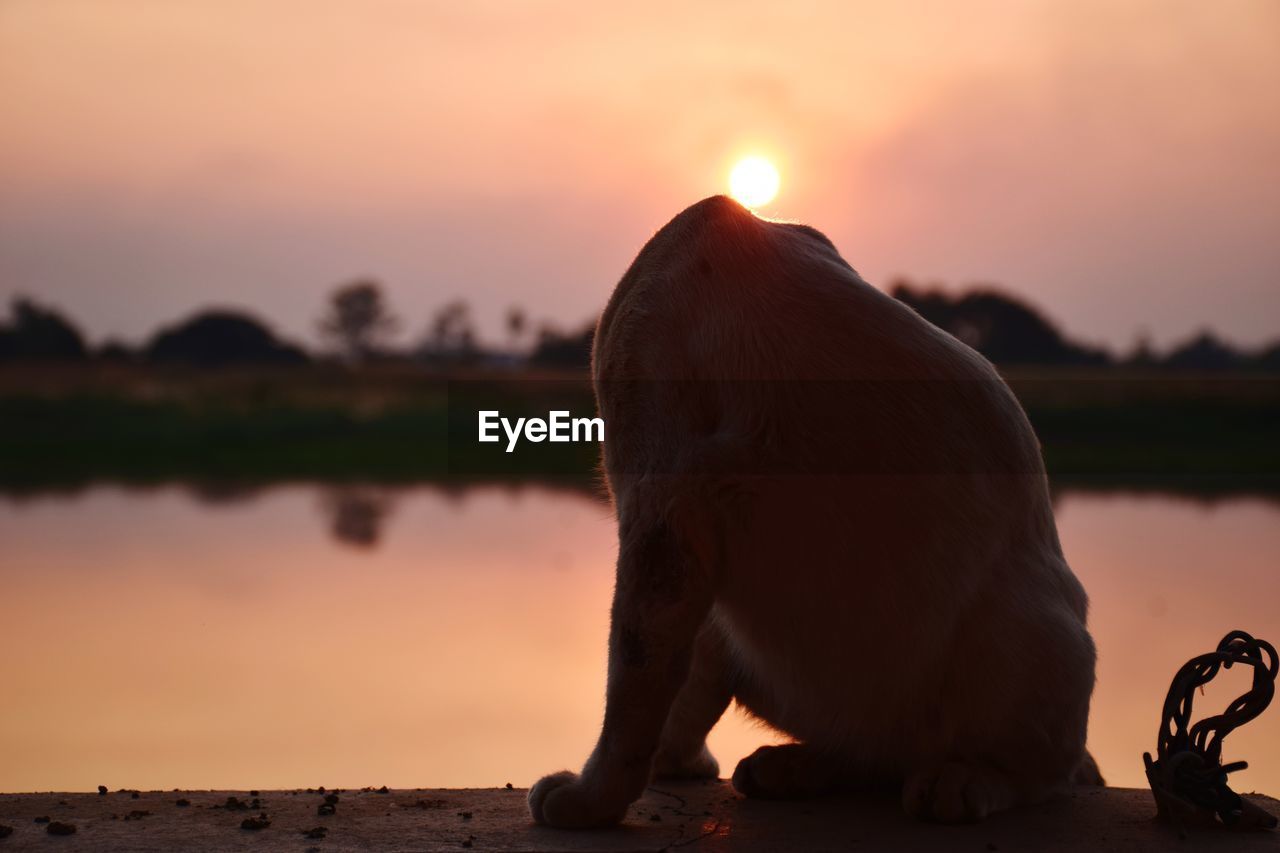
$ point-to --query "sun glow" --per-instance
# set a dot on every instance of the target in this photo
(753, 181)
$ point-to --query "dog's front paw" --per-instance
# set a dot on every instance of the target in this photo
(562, 800)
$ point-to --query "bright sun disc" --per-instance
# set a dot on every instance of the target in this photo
(753, 182)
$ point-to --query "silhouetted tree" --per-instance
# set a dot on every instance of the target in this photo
(1204, 352)
(1143, 353)
(1269, 357)
(555, 349)
(116, 350)
(451, 336)
(219, 338)
(1002, 328)
(517, 322)
(359, 320)
(36, 332)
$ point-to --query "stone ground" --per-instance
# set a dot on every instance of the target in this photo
(694, 816)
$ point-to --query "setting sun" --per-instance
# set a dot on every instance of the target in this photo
(753, 181)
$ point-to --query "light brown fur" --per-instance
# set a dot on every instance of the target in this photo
(835, 513)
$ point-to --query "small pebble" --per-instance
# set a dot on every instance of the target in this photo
(42, 819)
(102, 790)
(57, 827)
(656, 818)
(183, 802)
(259, 822)
(510, 786)
(134, 795)
(318, 832)
(465, 815)
(5, 831)
(326, 809)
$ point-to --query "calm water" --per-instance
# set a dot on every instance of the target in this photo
(303, 636)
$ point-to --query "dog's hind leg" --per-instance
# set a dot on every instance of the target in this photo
(790, 771)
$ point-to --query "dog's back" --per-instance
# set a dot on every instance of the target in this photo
(863, 502)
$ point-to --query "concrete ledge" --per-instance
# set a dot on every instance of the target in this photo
(670, 817)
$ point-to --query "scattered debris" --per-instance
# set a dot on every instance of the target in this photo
(259, 822)
(57, 827)
(430, 804)
(318, 832)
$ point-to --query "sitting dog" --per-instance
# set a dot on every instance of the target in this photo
(836, 514)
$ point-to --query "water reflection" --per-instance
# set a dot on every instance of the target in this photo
(356, 513)
(155, 639)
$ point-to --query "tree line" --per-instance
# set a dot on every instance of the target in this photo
(358, 327)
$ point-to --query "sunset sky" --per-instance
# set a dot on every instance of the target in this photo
(1118, 163)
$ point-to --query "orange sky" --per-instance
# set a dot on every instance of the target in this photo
(1115, 162)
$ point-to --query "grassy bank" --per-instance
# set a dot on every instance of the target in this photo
(392, 424)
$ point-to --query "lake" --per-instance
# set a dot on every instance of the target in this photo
(306, 635)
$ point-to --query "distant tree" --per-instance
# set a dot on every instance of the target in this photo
(556, 349)
(359, 320)
(1268, 358)
(451, 336)
(115, 350)
(1143, 353)
(221, 338)
(1001, 327)
(39, 333)
(1204, 352)
(517, 322)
